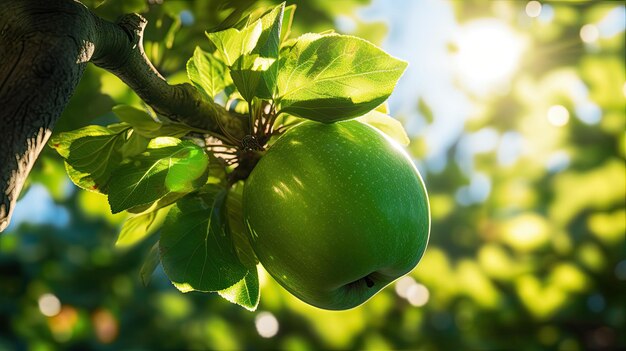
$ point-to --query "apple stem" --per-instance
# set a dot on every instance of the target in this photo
(247, 160)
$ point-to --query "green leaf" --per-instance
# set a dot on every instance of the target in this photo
(287, 22)
(246, 292)
(269, 47)
(134, 145)
(388, 125)
(168, 166)
(234, 206)
(175, 130)
(196, 251)
(329, 78)
(150, 263)
(207, 73)
(425, 110)
(160, 203)
(137, 228)
(117, 128)
(269, 41)
(252, 54)
(217, 171)
(248, 73)
(139, 119)
(91, 154)
(232, 43)
(238, 17)
(383, 108)
(145, 125)
(62, 142)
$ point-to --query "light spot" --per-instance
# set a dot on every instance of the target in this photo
(558, 115)
(613, 23)
(480, 187)
(588, 112)
(510, 148)
(345, 24)
(418, 295)
(547, 14)
(589, 33)
(533, 9)
(49, 305)
(526, 232)
(266, 324)
(105, 326)
(476, 192)
(557, 161)
(186, 18)
(403, 284)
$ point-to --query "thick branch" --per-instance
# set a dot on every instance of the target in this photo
(44, 47)
(119, 49)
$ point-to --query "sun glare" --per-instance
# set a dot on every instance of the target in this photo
(533, 8)
(589, 33)
(266, 324)
(558, 115)
(49, 305)
(488, 53)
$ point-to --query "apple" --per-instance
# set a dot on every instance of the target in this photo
(335, 212)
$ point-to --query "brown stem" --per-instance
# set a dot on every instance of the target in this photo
(44, 47)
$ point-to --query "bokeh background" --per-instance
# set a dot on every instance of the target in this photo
(516, 113)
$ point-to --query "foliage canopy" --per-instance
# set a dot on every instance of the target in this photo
(536, 261)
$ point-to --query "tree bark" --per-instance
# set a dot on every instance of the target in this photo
(44, 47)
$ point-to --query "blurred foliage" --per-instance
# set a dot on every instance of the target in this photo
(538, 263)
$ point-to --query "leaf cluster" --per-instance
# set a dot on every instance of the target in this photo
(187, 182)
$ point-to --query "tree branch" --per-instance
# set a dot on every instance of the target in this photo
(44, 47)
(119, 49)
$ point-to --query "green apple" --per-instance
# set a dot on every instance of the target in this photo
(336, 212)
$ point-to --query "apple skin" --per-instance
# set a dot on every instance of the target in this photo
(335, 212)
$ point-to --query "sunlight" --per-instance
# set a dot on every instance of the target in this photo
(589, 33)
(49, 305)
(533, 8)
(488, 54)
(417, 295)
(568, 277)
(558, 115)
(403, 284)
(526, 232)
(266, 324)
